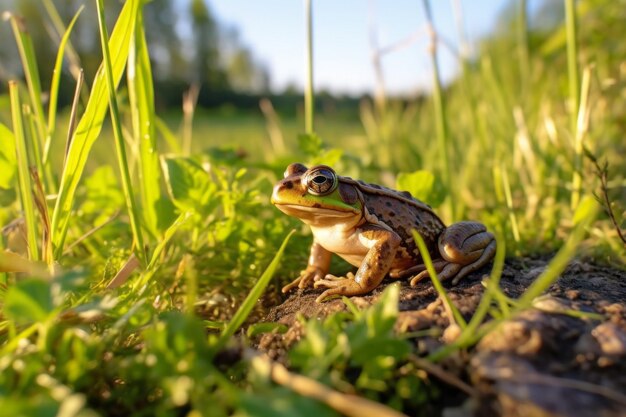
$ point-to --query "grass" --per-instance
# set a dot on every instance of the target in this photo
(209, 242)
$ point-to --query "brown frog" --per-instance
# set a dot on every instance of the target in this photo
(370, 227)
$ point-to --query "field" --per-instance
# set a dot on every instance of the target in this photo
(141, 260)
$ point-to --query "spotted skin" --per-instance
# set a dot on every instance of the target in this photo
(370, 226)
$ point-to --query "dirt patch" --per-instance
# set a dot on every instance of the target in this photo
(540, 363)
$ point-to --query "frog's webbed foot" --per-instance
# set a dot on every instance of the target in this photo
(338, 286)
(464, 247)
(444, 269)
(307, 277)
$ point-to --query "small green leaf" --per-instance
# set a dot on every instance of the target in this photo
(310, 144)
(329, 157)
(259, 328)
(188, 184)
(28, 301)
(103, 194)
(423, 185)
(283, 403)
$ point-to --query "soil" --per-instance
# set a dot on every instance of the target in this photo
(539, 363)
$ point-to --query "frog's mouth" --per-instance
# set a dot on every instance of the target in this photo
(315, 212)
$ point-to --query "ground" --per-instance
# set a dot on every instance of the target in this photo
(540, 363)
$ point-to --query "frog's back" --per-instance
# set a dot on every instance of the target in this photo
(402, 213)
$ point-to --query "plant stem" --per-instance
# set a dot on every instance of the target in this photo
(309, 98)
(574, 94)
(454, 315)
(21, 155)
(119, 139)
(522, 43)
(440, 117)
(585, 215)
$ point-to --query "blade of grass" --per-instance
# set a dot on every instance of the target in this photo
(450, 307)
(190, 101)
(167, 236)
(309, 98)
(119, 138)
(54, 87)
(71, 128)
(247, 305)
(522, 42)
(574, 95)
(168, 135)
(72, 55)
(141, 95)
(582, 125)
(90, 124)
(469, 335)
(492, 285)
(31, 72)
(30, 131)
(585, 215)
(26, 190)
(440, 114)
(506, 186)
(349, 405)
(12, 262)
(191, 283)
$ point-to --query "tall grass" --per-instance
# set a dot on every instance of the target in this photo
(445, 147)
(90, 125)
(309, 95)
(141, 100)
(120, 146)
(23, 162)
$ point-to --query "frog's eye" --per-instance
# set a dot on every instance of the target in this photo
(321, 181)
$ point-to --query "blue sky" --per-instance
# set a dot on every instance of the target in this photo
(275, 31)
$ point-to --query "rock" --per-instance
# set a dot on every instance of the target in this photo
(612, 339)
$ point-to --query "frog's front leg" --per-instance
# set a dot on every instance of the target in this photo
(383, 245)
(316, 269)
(464, 247)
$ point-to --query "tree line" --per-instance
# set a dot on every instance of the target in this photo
(188, 46)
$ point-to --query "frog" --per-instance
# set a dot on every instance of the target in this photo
(370, 226)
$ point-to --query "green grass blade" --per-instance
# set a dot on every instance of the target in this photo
(54, 86)
(456, 314)
(167, 236)
(57, 22)
(585, 215)
(246, 307)
(127, 186)
(31, 72)
(574, 94)
(8, 162)
(309, 97)
(169, 136)
(26, 194)
(440, 115)
(90, 124)
(474, 331)
(141, 95)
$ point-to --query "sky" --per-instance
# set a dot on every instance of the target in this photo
(275, 31)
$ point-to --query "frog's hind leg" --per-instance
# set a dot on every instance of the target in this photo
(438, 264)
(464, 247)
